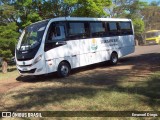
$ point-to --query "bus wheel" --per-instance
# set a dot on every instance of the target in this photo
(113, 58)
(63, 69)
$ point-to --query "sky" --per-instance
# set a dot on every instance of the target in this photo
(149, 1)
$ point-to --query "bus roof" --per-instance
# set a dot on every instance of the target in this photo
(88, 19)
(153, 31)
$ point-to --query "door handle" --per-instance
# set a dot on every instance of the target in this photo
(61, 43)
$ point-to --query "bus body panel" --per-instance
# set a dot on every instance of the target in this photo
(69, 52)
(78, 52)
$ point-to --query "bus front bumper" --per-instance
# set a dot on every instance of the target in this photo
(29, 69)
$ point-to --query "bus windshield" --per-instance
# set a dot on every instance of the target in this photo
(31, 36)
(152, 34)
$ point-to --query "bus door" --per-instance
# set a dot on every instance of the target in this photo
(55, 46)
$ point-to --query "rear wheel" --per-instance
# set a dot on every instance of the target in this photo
(114, 58)
(63, 69)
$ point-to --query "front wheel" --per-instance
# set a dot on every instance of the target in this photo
(114, 59)
(63, 69)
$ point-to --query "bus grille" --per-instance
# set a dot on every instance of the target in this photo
(30, 71)
(24, 65)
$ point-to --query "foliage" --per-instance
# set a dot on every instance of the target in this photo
(130, 9)
(27, 12)
(138, 26)
(8, 38)
(151, 17)
(88, 8)
(7, 14)
(15, 15)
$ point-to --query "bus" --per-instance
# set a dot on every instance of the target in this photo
(64, 43)
(153, 37)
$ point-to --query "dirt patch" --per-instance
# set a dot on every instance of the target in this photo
(7, 86)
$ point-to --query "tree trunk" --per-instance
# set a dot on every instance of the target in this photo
(4, 67)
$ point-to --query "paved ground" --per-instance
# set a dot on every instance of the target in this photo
(143, 62)
(146, 49)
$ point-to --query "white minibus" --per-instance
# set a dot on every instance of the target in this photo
(64, 43)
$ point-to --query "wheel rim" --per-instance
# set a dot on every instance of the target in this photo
(114, 58)
(64, 70)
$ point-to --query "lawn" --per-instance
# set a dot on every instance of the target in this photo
(12, 73)
(84, 94)
(80, 92)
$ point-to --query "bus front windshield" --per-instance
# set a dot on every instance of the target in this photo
(31, 36)
(152, 34)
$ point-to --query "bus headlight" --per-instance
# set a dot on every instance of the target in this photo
(37, 59)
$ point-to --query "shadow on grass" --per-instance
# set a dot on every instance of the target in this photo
(102, 80)
(54, 76)
(53, 95)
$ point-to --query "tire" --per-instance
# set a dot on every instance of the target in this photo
(63, 69)
(114, 58)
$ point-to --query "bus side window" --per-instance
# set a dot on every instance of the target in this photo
(112, 28)
(76, 30)
(97, 29)
(49, 33)
(126, 28)
(59, 33)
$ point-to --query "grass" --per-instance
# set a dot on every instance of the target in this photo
(54, 95)
(11, 74)
(112, 90)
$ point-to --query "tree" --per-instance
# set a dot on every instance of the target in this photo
(118, 8)
(88, 8)
(27, 12)
(8, 29)
(155, 3)
(130, 9)
(151, 17)
(139, 30)
(8, 39)
(7, 14)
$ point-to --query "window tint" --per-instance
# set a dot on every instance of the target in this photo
(112, 29)
(125, 25)
(112, 26)
(77, 30)
(97, 29)
(125, 28)
(56, 33)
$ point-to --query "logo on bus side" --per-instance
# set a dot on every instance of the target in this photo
(110, 42)
(94, 45)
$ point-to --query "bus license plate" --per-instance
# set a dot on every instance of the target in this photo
(24, 69)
